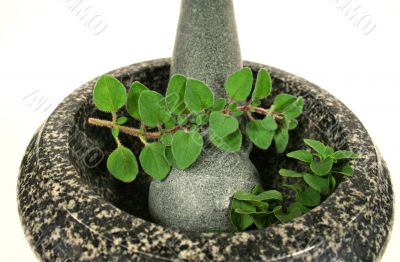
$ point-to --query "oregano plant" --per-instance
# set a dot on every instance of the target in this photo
(263, 208)
(174, 128)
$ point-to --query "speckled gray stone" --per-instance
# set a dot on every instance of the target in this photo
(207, 44)
(197, 199)
(71, 209)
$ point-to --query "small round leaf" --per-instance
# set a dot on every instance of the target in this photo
(346, 170)
(229, 143)
(186, 148)
(269, 123)
(115, 132)
(122, 164)
(316, 145)
(318, 183)
(344, 154)
(309, 197)
(257, 133)
(175, 94)
(281, 139)
(222, 125)
(302, 155)
(219, 104)
(152, 108)
(198, 95)
(109, 94)
(282, 101)
(263, 85)
(122, 120)
(321, 168)
(154, 162)
(238, 85)
(133, 99)
(289, 173)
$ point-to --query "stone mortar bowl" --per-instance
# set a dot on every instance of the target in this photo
(71, 209)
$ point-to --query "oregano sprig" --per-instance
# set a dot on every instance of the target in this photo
(324, 164)
(173, 128)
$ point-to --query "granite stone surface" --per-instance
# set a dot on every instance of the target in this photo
(206, 44)
(71, 209)
(198, 199)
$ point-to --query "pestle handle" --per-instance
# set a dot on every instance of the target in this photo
(207, 45)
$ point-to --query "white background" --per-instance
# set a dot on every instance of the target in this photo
(46, 51)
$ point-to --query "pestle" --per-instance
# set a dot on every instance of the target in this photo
(198, 199)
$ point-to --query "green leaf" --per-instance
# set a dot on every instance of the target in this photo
(309, 197)
(261, 206)
(344, 154)
(281, 139)
(289, 173)
(170, 123)
(302, 155)
(219, 104)
(121, 120)
(346, 170)
(244, 196)
(182, 120)
(269, 123)
(198, 96)
(238, 85)
(263, 85)
(201, 120)
(295, 109)
(282, 101)
(250, 198)
(290, 215)
(321, 168)
(175, 94)
(270, 195)
(186, 148)
(328, 152)
(292, 124)
(236, 113)
(115, 132)
(318, 183)
(259, 221)
(151, 108)
(332, 181)
(109, 94)
(122, 164)
(241, 221)
(246, 212)
(255, 104)
(132, 105)
(170, 156)
(232, 106)
(230, 143)
(257, 189)
(166, 139)
(222, 125)
(258, 134)
(298, 205)
(294, 187)
(154, 162)
(316, 145)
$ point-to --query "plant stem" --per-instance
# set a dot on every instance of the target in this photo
(143, 135)
(130, 130)
(114, 120)
(249, 115)
(261, 111)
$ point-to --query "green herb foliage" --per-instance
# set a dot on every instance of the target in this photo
(263, 208)
(173, 128)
